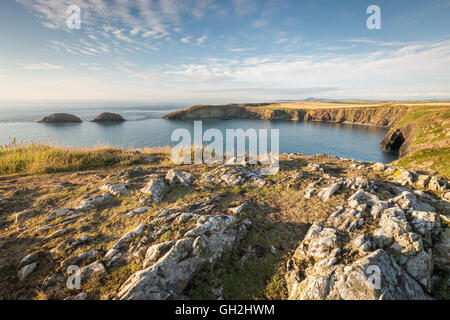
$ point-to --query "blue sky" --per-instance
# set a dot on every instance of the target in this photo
(211, 51)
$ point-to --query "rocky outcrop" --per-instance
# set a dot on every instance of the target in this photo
(172, 265)
(109, 117)
(373, 249)
(61, 118)
(400, 139)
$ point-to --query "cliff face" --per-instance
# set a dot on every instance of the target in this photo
(381, 116)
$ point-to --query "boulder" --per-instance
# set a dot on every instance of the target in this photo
(115, 188)
(95, 269)
(61, 118)
(179, 176)
(97, 201)
(326, 193)
(109, 117)
(156, 188)
(26, 271)
(167, 274)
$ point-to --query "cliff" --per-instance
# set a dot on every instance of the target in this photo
(380, 116)
(415, 131)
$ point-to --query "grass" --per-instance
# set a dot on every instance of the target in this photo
(435, 159)
(31, 158)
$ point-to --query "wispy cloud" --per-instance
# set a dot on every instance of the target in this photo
(202, 39)
(40, 66)
(186, 39)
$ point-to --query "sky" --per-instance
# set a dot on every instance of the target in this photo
(223, 51)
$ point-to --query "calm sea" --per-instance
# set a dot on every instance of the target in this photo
(146, 128)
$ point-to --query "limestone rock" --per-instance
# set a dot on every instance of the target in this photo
(156, 188)
(169, 275)
(115, 188)
(82, 257)
(326, 193)
(95, 269)
(57, 213)
(26, 271)
(441, 251)
(97, 201)
(138, 211)
(179, 176)
(32, 257)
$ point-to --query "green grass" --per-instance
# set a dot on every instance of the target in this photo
(41, 158)
(435, 159)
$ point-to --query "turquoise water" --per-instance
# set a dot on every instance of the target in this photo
(146, 128)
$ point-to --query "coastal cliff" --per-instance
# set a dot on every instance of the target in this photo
(421, 134)
(379, 116)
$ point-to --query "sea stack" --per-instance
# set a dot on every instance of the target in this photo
(61, 118)
(109, 117)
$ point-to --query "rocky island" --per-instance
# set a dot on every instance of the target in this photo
(109, 117)
(61, 118)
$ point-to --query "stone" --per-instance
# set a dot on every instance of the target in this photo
(94, 202)
(57, 213)
(238, 209)
(24, 215)
(138, 211)
(404, 177)
(169, 275)
(379, 166)
(437, 185)
(56, 234)
(181, 177)
(427, 224)
(94, 270)
(52, 280)
(32, 257)
(115, 188)
(420, 268)
(25, 271)
(326, 193)
(80, 297)
(82, 257)
(156, 188)
(129, 236)
(155, 252)
(318, 243)
(441, 251)
(422, 181)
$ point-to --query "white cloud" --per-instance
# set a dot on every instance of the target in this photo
(186, 39)
(120, 36)
(202, 39)
(420, 67)
(40, 66)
